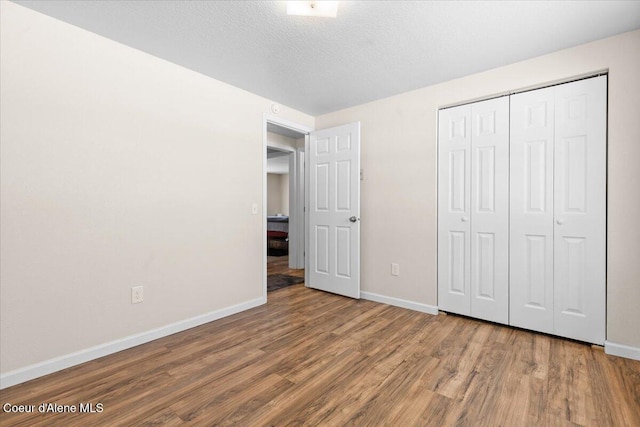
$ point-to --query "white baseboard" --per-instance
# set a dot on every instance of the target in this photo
(622, 350)
(57, 364)
(397, 302)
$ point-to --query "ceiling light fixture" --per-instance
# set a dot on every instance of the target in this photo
(328, 9)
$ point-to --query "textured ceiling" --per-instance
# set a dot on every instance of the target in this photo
(373, 49)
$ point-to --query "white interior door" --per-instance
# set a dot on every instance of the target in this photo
(531, 210)
(580, 209)
(454, 211)
(490, 210)
(334, 210)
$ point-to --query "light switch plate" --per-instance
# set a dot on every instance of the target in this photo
(395, 269)
(137, 295)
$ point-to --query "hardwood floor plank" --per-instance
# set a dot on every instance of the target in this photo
(214, 405)
(309, 395)
(75, 379)
(166, 418)
(435, 412)
(481, 389)
(312, 358)
(384, 404)
(623, 379)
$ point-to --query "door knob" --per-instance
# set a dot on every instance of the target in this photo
(560, 221)
(465, 219)
(354, 219)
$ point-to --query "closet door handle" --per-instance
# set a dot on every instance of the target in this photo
(465, 219)
(560, 221)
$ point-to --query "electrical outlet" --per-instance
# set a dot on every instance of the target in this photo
(395, 269)
(137, 295)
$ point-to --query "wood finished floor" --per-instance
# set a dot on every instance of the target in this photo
(280, 265)
(312, 358)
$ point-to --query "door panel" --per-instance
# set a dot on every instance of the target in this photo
(458, 180)
(490, 210)
(572, 263)
(458, 264)
(321, 171)
(580, 209)
(536, 174)
(454, 210)
(531, 210)
(536, 260)
(334, 198)
(343, 186)
(486, 265)
(321, 250)
(343, 247)
(485, 175)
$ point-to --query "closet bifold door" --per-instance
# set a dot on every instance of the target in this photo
(531, 210)
(490, 210)
(558, 210)
(580, 157)
(454, 211)
(473, 210)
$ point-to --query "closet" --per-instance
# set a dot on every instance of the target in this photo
(522, 209)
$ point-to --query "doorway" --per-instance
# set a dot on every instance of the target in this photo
(326, 180)
(283, 202)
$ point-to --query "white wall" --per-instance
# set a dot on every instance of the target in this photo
(284, 193)
(277, 193)
(274, 194)
(399, 163)
(118, 169)
(278, 185)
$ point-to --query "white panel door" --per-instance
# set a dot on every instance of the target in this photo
(490, 210)
(454, 210)
(580, 209)
(531, 210)
(334, 210)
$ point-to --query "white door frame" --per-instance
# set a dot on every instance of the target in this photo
(296, 191)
